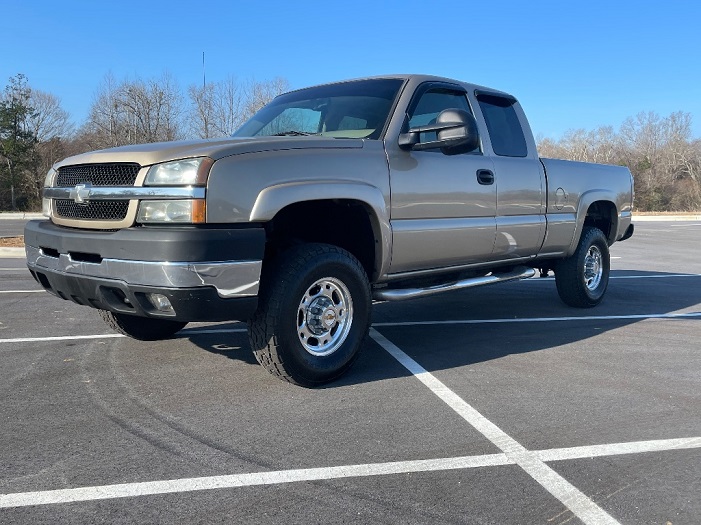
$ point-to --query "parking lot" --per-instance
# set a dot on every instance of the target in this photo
(495, 405)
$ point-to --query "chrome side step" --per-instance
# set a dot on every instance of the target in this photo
(401, 294)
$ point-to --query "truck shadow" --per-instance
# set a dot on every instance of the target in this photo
(459, 329)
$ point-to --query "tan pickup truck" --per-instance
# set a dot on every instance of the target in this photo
(330, 197)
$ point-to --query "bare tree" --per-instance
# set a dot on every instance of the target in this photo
(219, 109)
(134, 112)
(49, 120)
(664, 160)
(201, 115)
(258, 94)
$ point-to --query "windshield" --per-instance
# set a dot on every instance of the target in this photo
(358, 109)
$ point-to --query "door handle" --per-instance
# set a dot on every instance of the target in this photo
(485, 177)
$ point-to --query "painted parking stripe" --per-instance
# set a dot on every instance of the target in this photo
(618, 449)
(125, 490)
(569, 495)
(22, 291)
(182, 334)
(128, 490)
(60, 338)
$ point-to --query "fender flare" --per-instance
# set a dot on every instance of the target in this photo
(274, 198)
(585, 201)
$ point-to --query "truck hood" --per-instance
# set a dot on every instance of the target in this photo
(147, 154)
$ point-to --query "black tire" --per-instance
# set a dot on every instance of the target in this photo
(582, 279)
(313, 314)
(142, 328)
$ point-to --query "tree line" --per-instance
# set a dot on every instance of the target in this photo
(660, 152)
(36, 132)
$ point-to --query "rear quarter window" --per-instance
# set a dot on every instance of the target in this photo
(503, 125)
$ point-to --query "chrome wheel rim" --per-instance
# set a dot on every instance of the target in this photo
(593, 268)
(324, 316)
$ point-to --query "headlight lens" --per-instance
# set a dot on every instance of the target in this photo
(179, 173)
(178, 211)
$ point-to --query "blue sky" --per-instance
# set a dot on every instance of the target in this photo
(572, 64)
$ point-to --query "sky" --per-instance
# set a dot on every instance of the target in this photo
(572, 64)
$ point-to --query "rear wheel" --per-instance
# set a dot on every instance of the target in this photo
(313, 314)
(142, 328)
(582, 279)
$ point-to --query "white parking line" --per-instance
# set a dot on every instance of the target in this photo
(616, 449)
(127, 490)
(569, 495)
(22, 291)
(182, 334)
(60, 338)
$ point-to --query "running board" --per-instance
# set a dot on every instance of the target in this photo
(401, 294)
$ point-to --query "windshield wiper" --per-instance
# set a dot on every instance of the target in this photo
(292, 133)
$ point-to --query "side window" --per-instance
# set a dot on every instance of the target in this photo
(503, 125)
(430, 104)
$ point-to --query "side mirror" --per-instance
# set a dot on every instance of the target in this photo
(456, 132)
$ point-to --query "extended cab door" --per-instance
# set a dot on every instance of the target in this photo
(519, 177)
(442, 206)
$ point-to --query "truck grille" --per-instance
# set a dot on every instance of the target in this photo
(118, 174)
(95, 210)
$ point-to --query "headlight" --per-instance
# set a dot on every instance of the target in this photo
(179, 173)
(190, 211)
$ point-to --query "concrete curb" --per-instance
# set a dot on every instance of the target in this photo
(665, 218)
(12, 253)
(20, 215)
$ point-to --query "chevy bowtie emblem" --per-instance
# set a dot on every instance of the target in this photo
(81, 193)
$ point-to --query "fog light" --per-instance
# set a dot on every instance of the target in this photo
(160, 302)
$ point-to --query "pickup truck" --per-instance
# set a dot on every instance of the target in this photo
(327, 199)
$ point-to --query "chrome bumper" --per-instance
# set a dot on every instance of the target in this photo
(231, 279)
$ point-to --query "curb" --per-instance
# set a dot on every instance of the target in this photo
(12, 253)
(20, 215)
(665, 218)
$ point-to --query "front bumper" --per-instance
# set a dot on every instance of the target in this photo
(207, 274)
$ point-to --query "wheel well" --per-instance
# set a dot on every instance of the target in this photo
(348, 224)
(602, 215)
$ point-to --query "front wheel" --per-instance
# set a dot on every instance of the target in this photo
(142, 328)
(313, 314)
(582, 278)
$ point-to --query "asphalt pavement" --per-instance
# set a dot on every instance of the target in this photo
(493, 405)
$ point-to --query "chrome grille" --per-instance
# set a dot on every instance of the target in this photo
(95, 210)
(117, 174)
